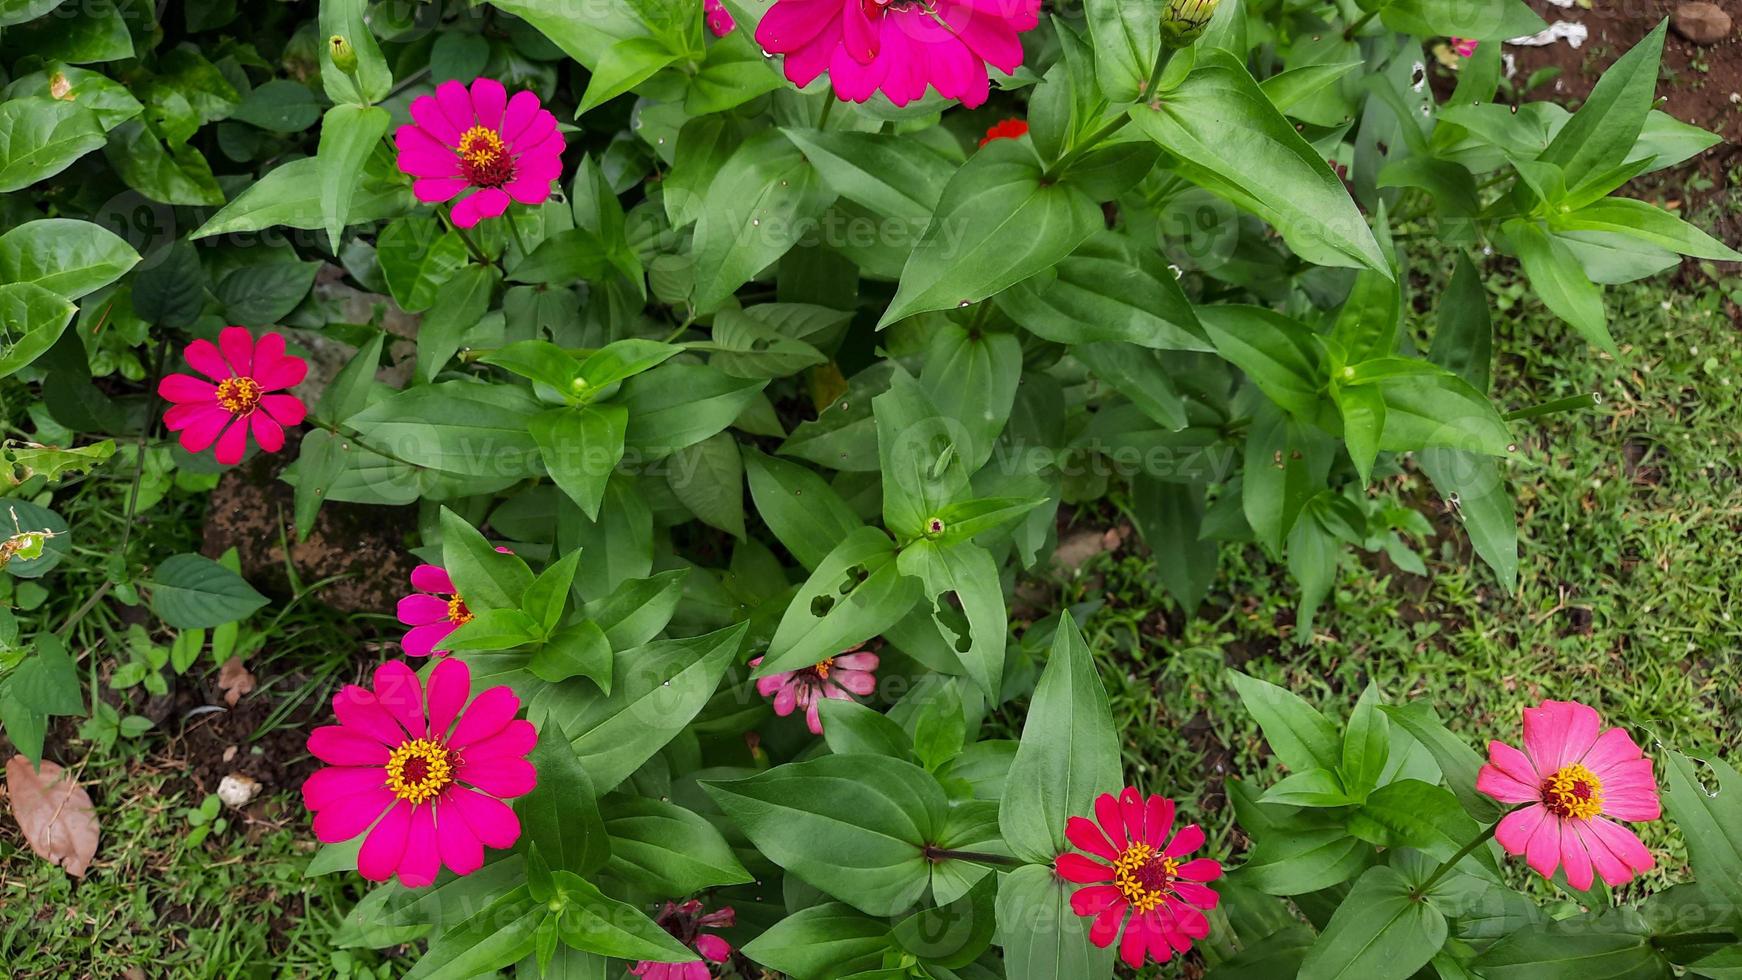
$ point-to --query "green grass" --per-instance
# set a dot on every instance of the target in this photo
(1630, 553)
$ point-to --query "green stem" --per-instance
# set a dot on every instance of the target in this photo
(1161, 61)
(978, 857)
(1355, 28)
(1452, 862)
(361, 444)
(471, 246)
(1694, 939)
(1112, 126)
(514, 229)
(829, 101)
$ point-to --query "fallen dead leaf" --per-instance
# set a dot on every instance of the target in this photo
(54, 812)
(234, 680)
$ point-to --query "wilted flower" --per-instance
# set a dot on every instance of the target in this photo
(686, 923)
(243, 399)
(424, 769)
(899, 46)
(1572, 777)
(1144, 875)
(719, 19)
(1183, 21)
(1464, 46)
(1003, 129)
(504, 149)
(849, 671)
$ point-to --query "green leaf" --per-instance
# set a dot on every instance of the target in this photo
(961, 580)
(416, 257)
(460, 303)
(561, 814)
(548, 595)
(1581, 948)
(174, 174)
(1493, 21)
(1170, 516)
(563, 258)
(263, 293)
(1068, 755)
(1602, 133)
(655, 691)
(348, 393)
(580, 447)
(1640, 220)
(1419, 815)
(997, 223)
(890, 175)
(708, 478)
(623, 66)
(63, 256)
(1300, 861)
(458, 427)
(678, 405)
(602, 925)
(320, 460)
(1042, 937)
(1298, 734)
(1312, 788)
(1456, 759)
(1366, 744)
(746, 347)
(291, 195)
(371, 81)
(1441, 409)
(851, 728)
(81, 34)
(1379, 932)
(1363, 411)
(23, 11)
(828, 940)
(31, 320)
(1126, 44)
(854, 826)
(1109, 289)
(578, 650)
(1228, 138)
(493, 629)
(854, 594)
(1710, 822)
(349, 135)
(542, 361)
(497, 935)
(1275, 351)
(41, 137)
(922, 455)
(486, 578)
(279, 106)
(734, 73)
(638, 609)
(192, 591)
(47, 681)
(667, 849)
(800, 507)
(756, 208)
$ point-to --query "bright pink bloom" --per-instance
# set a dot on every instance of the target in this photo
(508, 149)
(1005, 129)
(686, 923)
(1572, 777)
(246, 372)
(849, 671)
(1464, 46)
(422, 767)
(719, 19)
(432, 612)
(1143, 874)
(899, 46)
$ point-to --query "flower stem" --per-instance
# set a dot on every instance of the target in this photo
(1112, 126)
(828, 107)
(978, 857)
(471, 246)
(514, 229)
(1161, 61)
(1355, 28)
(1452, 862)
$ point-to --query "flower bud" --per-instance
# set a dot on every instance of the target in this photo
(1183, 21)
(344, 56)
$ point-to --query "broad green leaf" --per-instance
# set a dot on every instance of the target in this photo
(1363, 411)
(348, 393)
(263, 293)
(667, 849)
(22, 11)
(371, 81)
(81, 34)
(708, 478)
(1298, 734)
(1170, 517)
(581, 650)
(1584, 947)
(854, 826)
(1456, 759)
(349, 134)
(457, 426)
(1710, 822)
(678, 405)
(803, 511)
(1109, 289)
(655, 690)
(280, 106)
(1379, 932)
(497, 935)
(961, 582)
(1441, 409)
(1043, 939)
(486, 578)
(168, 174)
(460, 303)
(63, 256)
(997, 223)
(1275, 351)
(623, 66)
(1312, 788)
(290, 195)
(851, 728)
(1300, 861)
(580, 447)
(1492, 21)
(1640, 220)
(832, 940)
(416, 257)
(598, 924)
(561, 814)
(764, 198)
(922, 455)
(563, 258)
(319, 462)
(890, 175)
(854, 594)
(192, 592)
(41, 137)
(31, 320)
(734, 73)
(1602, 133)
(1068, 755)
(1126, 44)
(972, 379)
(1227, 138)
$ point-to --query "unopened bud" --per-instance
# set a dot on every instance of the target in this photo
(344, 56)
(1183, 21)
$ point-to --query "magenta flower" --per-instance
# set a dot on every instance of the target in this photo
(504, 149)
(899, 46)
(422, 771)
(685, 922)
(719, 19)
(1142, 871)
(850, 671)
(247, 373)
(432, 612)
(1573, 778)
(1464, 46)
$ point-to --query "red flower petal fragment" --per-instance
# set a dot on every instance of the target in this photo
(1005, 129)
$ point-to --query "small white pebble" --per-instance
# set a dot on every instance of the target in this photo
(238, 789)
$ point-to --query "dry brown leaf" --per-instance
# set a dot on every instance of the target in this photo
(234, 680)
(54, 812)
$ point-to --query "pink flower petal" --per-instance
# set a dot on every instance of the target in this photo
(401, 693)
(488, 100)
(713, 948)
(336, 785)
(422, 860)
(522, 107)
(1094, 899)
(233, 444)
(203, 357)
(503, 778)
(421, 609)
(1106, 925)
(238, 347)
(1574, 858)
(1557, 733)
(186, 388)
(1158, 820)
(459, 848)
(199, 426)
(1075, 867)
(857, 681)
(1201, 869)
(338, 745)
(344, 819)
(1083, 833)
(456, 105)
(268, 435)
(1509, 775)
(813, 718)
(492, 821)
(432, 578)
(857, 661)
(1518, 827)
(427, 113)
(360, 711)
(421, 641)
(286, 410)
(786, 699)
(438, 190)
(803, 64)
(449, 686)
(1196, 894)
(489, 713)
(529, 190)
(1111, 820)
(793, 24)
(489, 202)
(384, 848)
(1134, 945)
(1543, 853)
(273, 368)
(1189, 839)
(1132, 811)
(514, 741)
(1622, 844)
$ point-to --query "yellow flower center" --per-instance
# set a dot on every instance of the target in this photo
(1144, 877)
(239, 396)
(419, 770)
(1574, 792)
(484, 157)
(458, 614)
(824, 667)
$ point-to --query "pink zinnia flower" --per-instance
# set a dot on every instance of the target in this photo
(686, 922)
(1464, 46)
(431, 784)
(433, 611)
(719, 19)
(507, 149)
(1005, 129)
(1143, 875)
(849, 671)
(1572, 777)
(246, 373)
(899, 46)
